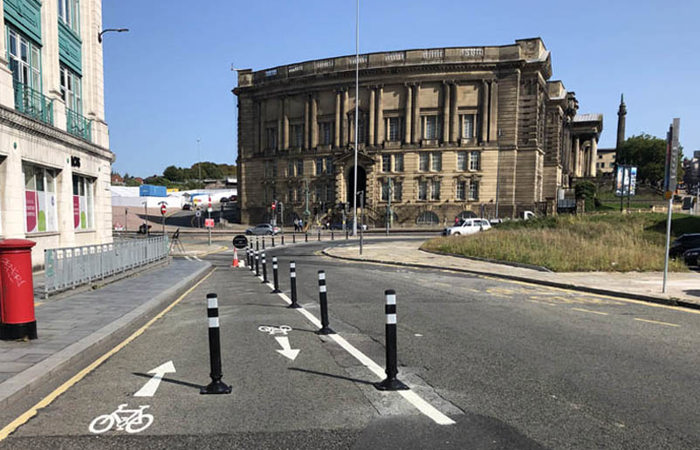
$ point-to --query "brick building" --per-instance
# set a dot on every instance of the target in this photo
(441, 131)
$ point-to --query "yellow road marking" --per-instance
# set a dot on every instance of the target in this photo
(658, 322)
(46, 401)
(589, 311)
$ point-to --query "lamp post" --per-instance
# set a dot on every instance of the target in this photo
(199, 161)
(357, 102)
(115, 30)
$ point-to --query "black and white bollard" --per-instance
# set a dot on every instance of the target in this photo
(250, 260)
(319, 234)
(347, 232)
(216, 386)
(257, 244)
(323, 300)
(332, 236)
(275, 276)
(306, 237)
(294, 238)
(257, 264)
(391, 383)
(273, 242)
(282, 239)
(293, 284)
(264, 267)
(263, 242)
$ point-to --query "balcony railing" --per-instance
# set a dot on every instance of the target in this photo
(33, 103)
(77, 125)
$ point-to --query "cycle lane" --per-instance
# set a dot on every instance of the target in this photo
(271, 393)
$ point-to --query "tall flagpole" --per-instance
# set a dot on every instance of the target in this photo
(357, 102)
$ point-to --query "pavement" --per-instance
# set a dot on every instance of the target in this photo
(77, 328)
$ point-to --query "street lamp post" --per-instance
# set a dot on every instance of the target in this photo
(115, 30)
(357, 102)
(199, 161)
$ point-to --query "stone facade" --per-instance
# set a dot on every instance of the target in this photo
(55, 161)
(441, 132)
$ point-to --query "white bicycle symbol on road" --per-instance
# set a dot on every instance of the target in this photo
(282, 329)
(131, 420)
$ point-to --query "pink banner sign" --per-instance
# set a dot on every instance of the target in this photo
(31, 202)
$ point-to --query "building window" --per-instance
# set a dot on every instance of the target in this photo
(461, 190)
(290, 168)
(436, 162)
(329, 165)
(386, 163)
(83, 202)
(271, 138)
(385, 191)
(319, 166)
(330, 193)
(398, 163)
(326, 133)
(394, 129)
(274, 169)
(427, 218)
(318, 192)
(435, 190)
(40, 199)
(467, 125)
(431, 127)
(361, 128)
(475, 161)
(422, 190)
(300, 167)
(70, 90)
(290, 195)
(462, 161)
(297, 133)
(69, 14)
(398, 191)
(25, 60)
(474, 190)
(423, 161)
(300, 194)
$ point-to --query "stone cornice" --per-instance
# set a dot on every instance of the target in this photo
(30, 126)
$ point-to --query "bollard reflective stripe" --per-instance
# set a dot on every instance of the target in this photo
(391, 383)
(264, 268)
(293, 284)
(323, 300)
(216, 386)
(275, 277)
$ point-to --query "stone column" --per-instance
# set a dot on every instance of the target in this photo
(380, 117)
(408, 113)
(483, 135)
(263, 131)
(336, 136)
(454, 118)
(307, 125)
(314, 121)
(344, 117)
(280, 124)
(493, 112)
(257, 135)
(594, 157)
(285, 122)
(371, 108)
(416, 114)
(577, 157)
(445, 112)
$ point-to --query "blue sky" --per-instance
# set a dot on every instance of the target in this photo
(168, 81)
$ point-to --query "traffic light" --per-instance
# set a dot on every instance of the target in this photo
(274, 205)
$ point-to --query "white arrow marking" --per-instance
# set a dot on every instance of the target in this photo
(150, 388)
(286, 351)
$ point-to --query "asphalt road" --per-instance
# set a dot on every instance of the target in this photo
(513, 365)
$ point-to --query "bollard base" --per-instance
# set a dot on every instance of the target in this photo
(15, 331)
(391, 384)
(294, 306)
(325, 330)
(216, 387)
(276, 291)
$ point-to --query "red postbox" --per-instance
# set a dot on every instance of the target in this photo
(17, 319)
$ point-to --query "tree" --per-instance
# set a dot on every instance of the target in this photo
(648, 153)
(173, 173)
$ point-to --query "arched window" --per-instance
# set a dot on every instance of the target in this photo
(427, 218)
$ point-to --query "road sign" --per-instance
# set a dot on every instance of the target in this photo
(163, 209)
(672, 151)
(209, 223)
(198, 213)
(240, 241)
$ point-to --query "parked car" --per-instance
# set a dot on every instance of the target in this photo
(262, 229)
(233, 198)
(186, 206)
(683, 243)
(223, 200)
(467, 226)
(692, 257)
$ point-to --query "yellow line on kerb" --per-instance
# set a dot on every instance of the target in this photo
(658, 322)
(46, 401)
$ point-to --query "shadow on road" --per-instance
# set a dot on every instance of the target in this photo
(170, 380)
(339, 377)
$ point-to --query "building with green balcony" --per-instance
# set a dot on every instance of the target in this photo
(54, 145)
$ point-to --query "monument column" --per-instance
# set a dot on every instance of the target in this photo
(446, 113)
(380, 117)
(372, 101)
(594, 157)
(336, 136)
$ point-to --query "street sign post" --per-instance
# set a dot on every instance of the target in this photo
(240, 241)
(163, 210)
(672, 147)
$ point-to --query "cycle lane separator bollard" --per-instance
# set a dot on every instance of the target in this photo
(216, 386)
(264, 268)
(323, 302)
(275, 276)
(409, 395)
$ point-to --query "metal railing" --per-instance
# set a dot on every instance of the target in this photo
(78, 125)
(67, 268)
(33, 103)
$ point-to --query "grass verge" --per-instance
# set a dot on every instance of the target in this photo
(609, 242)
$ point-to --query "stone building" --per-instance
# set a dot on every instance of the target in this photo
(441, 131)
(55, 161)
